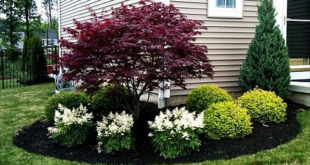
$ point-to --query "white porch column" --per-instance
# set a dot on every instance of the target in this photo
(281, 10)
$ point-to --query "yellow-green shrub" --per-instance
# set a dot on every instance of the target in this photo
(263, 106)
(203, 96)
(226, 120)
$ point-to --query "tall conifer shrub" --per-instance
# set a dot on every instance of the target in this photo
(34, 60)
(267, 62)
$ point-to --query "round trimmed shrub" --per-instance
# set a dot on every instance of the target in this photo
(226, 120)
(263, 106)
(203, 96)
(106, 100)
(69, 99)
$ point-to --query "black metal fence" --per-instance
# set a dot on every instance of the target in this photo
(20, 67)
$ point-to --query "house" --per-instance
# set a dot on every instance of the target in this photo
(49, 36)
(231, 26)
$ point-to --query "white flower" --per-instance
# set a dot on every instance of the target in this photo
(177, 121)
(75, 116)
(57, 116)
(150, 134)
(111, 115)
(99, 149)
(52, 130)
(114, 124)
(185, 135)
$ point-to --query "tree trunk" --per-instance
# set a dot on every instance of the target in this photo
(50, 11)
(49, 21)
(136, 111)
(11, 23)
(27, 17)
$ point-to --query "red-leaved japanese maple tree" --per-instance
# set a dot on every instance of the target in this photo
(136, 48)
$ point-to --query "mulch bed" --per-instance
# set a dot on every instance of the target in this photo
(33, 139)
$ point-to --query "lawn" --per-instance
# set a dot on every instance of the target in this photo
(9, 83)
(23, 105)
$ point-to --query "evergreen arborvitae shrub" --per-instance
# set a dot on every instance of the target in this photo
(37, 59)
(267, 62)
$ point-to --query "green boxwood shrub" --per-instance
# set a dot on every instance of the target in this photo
(263, 106)
(226, 120)
(107, 100)
(203, 96)
(69, 99)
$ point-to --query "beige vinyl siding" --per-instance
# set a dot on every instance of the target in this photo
(227, 40)
(77, 9)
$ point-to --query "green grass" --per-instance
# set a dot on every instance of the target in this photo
(22, 106)
(9, 83)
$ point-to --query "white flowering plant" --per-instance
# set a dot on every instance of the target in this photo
(176, 133)
(115, 133)
(71, 126)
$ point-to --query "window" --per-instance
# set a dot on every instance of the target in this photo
(225, 8)
(226, 3)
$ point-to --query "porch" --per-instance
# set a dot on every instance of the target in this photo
(300, 84)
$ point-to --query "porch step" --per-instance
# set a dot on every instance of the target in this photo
(300, 68)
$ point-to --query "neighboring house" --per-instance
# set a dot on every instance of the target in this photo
(52, 38)
(231, 26)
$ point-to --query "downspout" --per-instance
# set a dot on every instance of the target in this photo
(164, 90)
(59, 32)
(163, 93)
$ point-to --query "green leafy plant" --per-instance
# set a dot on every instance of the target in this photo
(71, 126)
(106, 100)
(114, 133)
(175, 133)
(267, 61)
(263, 106)
(226, 120)
(68, 99)
(203, 96)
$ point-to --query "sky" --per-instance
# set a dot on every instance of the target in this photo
(39, 7)
(41, 10)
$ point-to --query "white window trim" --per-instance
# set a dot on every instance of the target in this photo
(166, 2)
(214, 11)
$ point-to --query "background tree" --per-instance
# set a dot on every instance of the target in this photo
(267, 61)
(49, 6)
(136, 49)
(11, 24)
(28, 9)
(36, 25)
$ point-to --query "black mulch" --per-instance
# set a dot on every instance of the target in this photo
(33, 139)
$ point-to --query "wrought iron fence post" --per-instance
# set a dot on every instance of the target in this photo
(56, 61)
(2, 68)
